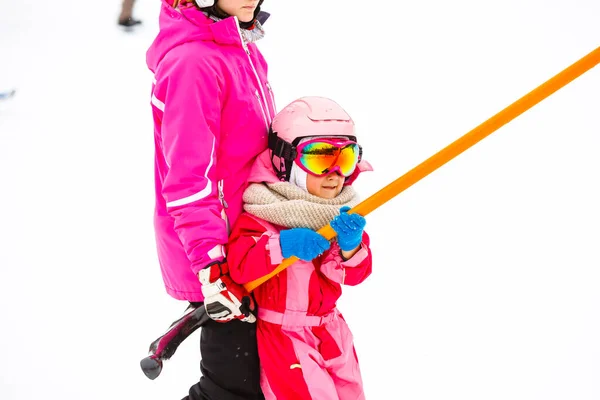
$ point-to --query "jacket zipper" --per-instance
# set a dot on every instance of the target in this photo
(260, 86)
(224, 204)
(272, 97)
(262, 109)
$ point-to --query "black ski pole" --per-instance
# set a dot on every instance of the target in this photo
(164, 347)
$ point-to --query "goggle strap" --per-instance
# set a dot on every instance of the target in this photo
(284, 151)
(284, 170)
(281, 148)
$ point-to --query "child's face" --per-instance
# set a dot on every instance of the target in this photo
(326, 187)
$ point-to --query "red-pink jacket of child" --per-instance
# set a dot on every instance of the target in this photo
(254, 251)
(212, 106)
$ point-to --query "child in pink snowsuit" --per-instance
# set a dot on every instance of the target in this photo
(297, 186)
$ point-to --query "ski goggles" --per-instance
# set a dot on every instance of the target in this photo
(320, 157)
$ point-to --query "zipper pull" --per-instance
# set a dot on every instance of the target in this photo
(221, 194)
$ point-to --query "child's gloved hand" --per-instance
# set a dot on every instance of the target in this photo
(303, 243)
(349, 229)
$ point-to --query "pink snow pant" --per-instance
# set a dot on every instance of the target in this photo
(307, 358)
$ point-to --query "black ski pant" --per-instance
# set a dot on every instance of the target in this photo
(229, 363)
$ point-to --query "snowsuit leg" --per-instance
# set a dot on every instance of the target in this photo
(229, 365)
(281, 374)
(309, 363)
(345, 370)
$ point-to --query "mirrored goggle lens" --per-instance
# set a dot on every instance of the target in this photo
(320, 158)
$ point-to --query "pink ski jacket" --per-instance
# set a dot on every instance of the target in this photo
(212, 107)
(307, 288)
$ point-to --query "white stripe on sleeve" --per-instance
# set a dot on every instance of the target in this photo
(158, 104)
(201, 194)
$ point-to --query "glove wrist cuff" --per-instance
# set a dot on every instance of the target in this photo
(349, 246)
(212, 289)
(222, 265)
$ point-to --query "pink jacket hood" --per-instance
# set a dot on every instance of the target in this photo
(186, 25)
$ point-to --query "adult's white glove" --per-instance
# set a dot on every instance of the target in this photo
(224, 299)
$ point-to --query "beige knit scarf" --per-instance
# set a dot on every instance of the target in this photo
(287, 205)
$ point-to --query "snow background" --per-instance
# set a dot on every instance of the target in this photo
(487, 272)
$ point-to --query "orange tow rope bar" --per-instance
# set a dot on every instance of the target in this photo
(454, 149)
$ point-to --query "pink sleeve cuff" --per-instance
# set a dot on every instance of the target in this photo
(356, 258)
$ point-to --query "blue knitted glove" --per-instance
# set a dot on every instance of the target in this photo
(303, 243)
(349, 229)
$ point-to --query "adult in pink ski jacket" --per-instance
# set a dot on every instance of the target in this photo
(212, 107)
